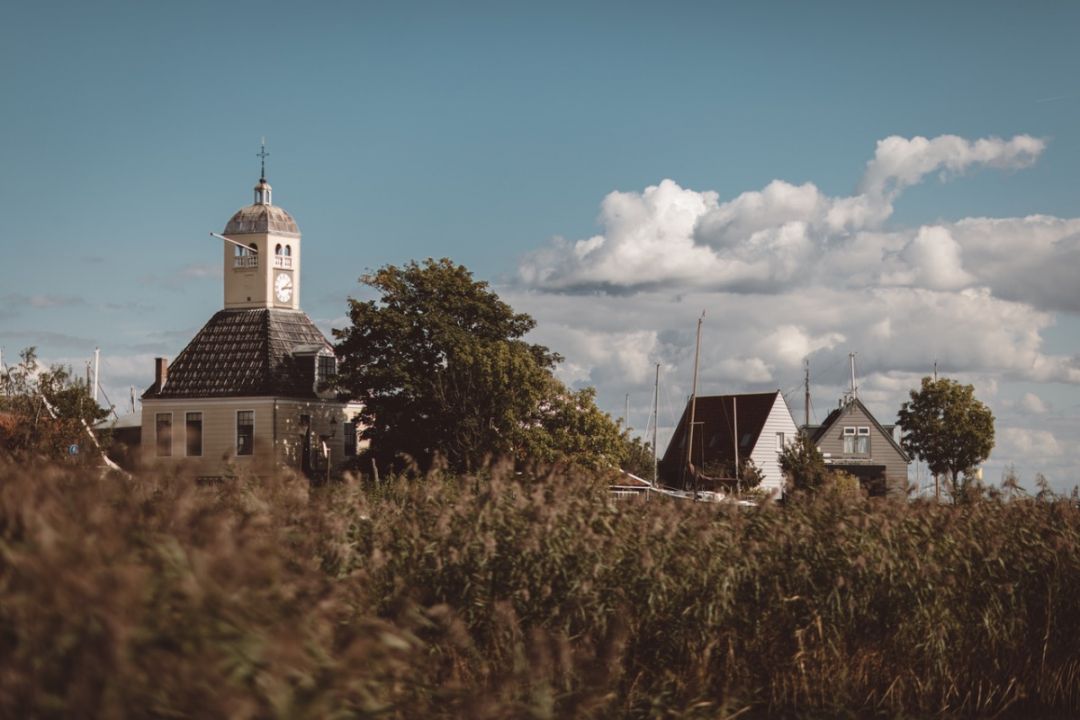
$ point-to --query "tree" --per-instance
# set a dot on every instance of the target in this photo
(948, 428)
(441, 366)
(48, 410)
(804, 465)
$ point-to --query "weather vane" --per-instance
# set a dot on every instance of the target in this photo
(262, 155)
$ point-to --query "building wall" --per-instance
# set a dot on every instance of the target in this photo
(278, 437)
(257, 283)
(882, 452)
(766, 452)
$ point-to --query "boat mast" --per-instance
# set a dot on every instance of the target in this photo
(735, 412)
(656, 420)
(693, 394)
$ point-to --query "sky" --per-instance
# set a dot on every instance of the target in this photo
(820, 179)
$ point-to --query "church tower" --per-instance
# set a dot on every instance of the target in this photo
(262, 258)
(254, 386)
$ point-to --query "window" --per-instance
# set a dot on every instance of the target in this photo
(277, 249)
(193, 433)
(327, 368)
(857, 440)
(245, 432)
(288, 251)
(779, 442)
(349, 429)
(163, 426)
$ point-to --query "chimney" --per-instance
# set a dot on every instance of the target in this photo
(161, 371)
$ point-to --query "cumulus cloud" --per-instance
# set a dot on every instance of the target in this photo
(1033, 404)
(901, 162)
(784, 234)
(1016, 444)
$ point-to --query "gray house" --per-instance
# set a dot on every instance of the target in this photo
(852, 440)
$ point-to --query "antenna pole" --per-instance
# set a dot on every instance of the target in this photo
(851, 357)
(806, 394)
(626, 413)
(656, 420)
(97, 366)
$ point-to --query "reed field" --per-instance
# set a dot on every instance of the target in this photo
(505, 595)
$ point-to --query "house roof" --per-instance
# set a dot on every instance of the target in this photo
(816, 432)
(241, 353)
(715, 421)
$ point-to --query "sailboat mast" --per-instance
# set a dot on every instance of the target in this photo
(655, 422)
(693, 393)
(806, 395)
(735, 413)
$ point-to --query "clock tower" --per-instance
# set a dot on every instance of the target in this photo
(262, 259)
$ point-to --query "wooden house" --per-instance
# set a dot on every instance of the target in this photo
(752, 425)
(852, 440)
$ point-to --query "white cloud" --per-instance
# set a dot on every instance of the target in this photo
(931, 259)
(900, 162)
(1033, 404)
(1017, 444)
(784, 235)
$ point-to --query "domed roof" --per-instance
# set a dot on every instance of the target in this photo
(261, 219)
(262, 216)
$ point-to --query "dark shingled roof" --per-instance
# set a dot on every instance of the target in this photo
(242, 353)
(714, 437)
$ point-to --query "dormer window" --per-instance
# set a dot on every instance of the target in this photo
(327, 369)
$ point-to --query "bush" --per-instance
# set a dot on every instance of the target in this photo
(498, 595)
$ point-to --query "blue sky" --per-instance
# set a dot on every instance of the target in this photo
(481, 131)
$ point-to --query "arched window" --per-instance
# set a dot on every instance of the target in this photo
(288, 251)
(277, 249)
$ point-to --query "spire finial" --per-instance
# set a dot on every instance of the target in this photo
(262, 155)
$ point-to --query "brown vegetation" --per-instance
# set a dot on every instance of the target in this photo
(501, 596)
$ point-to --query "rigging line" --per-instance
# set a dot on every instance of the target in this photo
(112, 408)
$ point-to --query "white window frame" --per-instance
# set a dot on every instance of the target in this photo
(856, 433)
(781, 442)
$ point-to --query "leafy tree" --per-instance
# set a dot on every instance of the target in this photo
(441, 366)
(804, 465)
(637, 457)
(948, 428)
(46, 410)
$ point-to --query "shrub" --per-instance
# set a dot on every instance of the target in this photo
(499, 595)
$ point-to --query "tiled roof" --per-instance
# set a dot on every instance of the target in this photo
(242, 353)
(714, 429)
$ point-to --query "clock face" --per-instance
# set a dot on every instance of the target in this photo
(283, 287)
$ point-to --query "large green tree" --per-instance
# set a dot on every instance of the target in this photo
(46, 411)
(948, 428)
(443, 370)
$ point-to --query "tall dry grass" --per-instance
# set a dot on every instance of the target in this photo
(502, 596)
